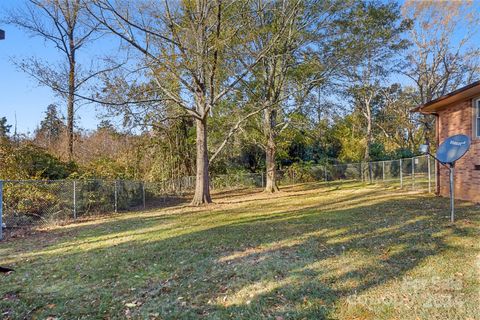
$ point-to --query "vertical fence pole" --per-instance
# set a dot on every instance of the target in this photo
(436, 174)
(325, 172)
(262, 180)
(143, 194)
(401, 174)
(116, 195)
(413, 173)
(370, 172)
(164, 191)
(383, 171)
(1, 209)
(74, 200)
(429, 175)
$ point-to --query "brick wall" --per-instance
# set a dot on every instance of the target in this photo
(458, 119)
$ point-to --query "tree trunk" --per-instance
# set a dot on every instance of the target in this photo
(427, 128)
(70, 111)
(366, 156)
(270, 151)
(71, 100)
(202, 184)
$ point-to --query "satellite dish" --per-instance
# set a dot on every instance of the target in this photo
(453, 148)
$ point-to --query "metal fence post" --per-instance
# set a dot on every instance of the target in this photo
(413, 173)
(401, 174)
(116, 195)
(361, 171)
(262, 179)
(383, 171)
(429, 175)
(370, 172)
(1, 209)
(143, 194)
(325, 173)
(74, 200)
(164, 190)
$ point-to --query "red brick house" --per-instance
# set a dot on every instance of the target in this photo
(459, 113)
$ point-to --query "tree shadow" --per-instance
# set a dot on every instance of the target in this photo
(292, 264)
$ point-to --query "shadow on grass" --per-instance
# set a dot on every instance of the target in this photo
(289, 264)
(155, 203)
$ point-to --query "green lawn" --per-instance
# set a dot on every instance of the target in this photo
(313, 251)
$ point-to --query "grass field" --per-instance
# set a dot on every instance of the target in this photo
(313, 251)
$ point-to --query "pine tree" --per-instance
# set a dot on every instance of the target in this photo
(4, 128)
(52, 125)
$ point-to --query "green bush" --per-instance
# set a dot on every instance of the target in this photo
(36, 202)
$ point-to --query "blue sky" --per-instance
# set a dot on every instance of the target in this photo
(21, 96)
(19, 93)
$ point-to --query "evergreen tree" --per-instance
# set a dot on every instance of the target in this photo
(106, 125)
(52, 125)
(4, 128)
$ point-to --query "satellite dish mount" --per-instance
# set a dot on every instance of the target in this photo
(452, 149)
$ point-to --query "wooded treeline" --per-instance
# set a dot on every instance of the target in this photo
(205, 87)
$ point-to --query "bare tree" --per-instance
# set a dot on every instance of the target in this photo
(62, 23)
(438, 62)
(194, 44)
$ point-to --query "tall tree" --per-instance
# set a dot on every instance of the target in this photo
(194, 43)
(371, 39)
(287, 73)
(443, 55)
(62, 23)
(398, 128)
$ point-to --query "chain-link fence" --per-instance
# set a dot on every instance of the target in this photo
(417, 173)
(34, 202)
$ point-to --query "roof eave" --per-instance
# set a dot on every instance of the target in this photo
(446, 100)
